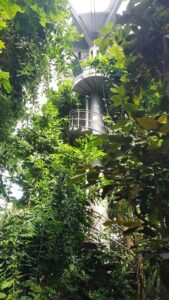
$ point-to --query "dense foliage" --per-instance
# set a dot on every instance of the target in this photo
(47, 245)
(32, 34)
(47, 251)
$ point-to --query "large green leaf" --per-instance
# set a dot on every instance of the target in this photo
(9, 9)
(106, 29)
(3, 295)
(42, 14)
(6, 284)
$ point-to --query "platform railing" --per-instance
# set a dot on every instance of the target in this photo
(87, 120)
(87, 72)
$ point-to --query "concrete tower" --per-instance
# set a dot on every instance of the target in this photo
(89, 16)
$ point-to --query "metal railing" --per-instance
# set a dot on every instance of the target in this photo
(86, 120)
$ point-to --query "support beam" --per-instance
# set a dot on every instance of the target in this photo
(113, 8)
(82, 28)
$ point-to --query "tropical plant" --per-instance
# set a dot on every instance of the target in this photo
(47, 250)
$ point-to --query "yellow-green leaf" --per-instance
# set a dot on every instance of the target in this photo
(132, 224)
(148, 123)
(137, 100)
(114, 90)
(2, 295)
(3, 24)
(6, 284)
(162, 119)
(129, 224)
(41, 13)
(2, 45)
(106, 29)
(13, 10)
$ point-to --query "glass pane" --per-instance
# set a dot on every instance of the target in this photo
(86, 6)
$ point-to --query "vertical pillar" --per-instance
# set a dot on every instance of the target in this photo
(96, 108)
(100, 208)
(93, 51)
(100, 215)
(87, 112)
(78, 119)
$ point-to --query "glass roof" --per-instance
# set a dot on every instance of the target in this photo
(87, 6)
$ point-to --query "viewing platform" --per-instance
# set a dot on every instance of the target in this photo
(89, 81)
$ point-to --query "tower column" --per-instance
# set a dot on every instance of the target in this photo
(100, 207)
(96, 108)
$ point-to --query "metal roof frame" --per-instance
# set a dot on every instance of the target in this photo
(82, 27)
(112, 10)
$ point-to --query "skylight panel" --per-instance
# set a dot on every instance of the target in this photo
(87, 6)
